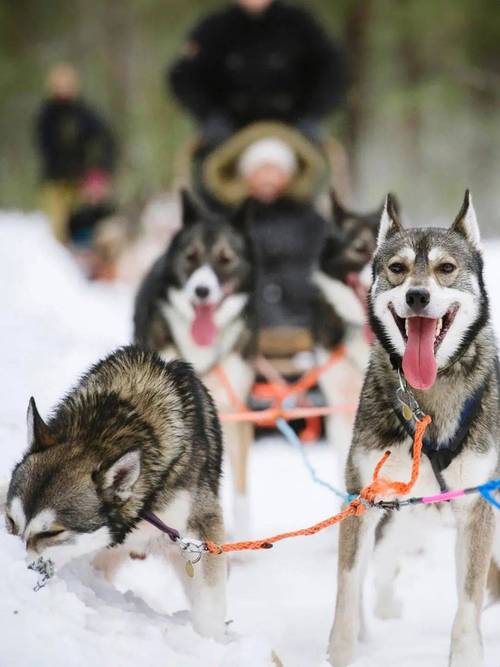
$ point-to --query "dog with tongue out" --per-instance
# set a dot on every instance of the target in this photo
(429, 312)
(196, 303)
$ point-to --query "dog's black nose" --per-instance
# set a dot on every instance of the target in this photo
(201, 291)
(418, 298)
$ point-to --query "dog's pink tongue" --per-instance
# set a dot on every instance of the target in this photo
(203, 329)
(419, 362)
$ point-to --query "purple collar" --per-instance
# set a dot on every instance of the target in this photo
(158, 523)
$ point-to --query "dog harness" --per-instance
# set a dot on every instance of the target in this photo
(441, 454)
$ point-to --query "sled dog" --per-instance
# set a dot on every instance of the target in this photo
(196, 304)
(342, 280)
(135, 436)
(429, 311)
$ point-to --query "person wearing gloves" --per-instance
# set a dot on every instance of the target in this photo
(77, 150)
(258, 60)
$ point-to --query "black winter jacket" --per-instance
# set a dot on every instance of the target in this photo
(287, 237)
(72, 139)
(240, 68)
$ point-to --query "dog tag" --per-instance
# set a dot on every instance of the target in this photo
(189, 569)
(407, 413)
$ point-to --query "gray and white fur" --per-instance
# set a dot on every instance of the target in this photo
(135, 435)
(437, 274)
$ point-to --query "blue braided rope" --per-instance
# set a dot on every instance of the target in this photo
(290, 435)
(486, 489)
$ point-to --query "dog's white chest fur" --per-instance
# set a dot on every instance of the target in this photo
(469, 468)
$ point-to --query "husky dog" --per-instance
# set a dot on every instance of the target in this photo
(196, 304)
(342, 280)
(135, 436)
(429, 311)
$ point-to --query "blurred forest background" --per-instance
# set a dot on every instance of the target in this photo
(421, 118)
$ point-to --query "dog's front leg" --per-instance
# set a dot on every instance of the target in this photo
(475, 528)
(206, 589)
(355, 545)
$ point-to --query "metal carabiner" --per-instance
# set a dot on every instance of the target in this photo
(196, 547)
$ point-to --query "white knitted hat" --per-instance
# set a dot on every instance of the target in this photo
(267, 151)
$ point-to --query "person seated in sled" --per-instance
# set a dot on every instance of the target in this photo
(258, 60)
(282, 172)
(76, 146)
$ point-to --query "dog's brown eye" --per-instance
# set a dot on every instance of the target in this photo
(446, 267)
(224, 259)
(397, 267)
(47, 534)
(192, 256)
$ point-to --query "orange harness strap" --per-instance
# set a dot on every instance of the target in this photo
(281, 391)
(378, 487)
(309, 379)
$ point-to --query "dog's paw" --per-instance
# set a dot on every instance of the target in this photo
(388, 608)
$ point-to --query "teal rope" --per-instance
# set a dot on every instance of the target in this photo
(291, 437)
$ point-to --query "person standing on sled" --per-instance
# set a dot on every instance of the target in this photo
(258, 60)
(76, 147)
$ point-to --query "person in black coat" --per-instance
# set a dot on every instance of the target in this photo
(74, 143)
(258, 60)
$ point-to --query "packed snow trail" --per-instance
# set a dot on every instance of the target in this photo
(54, 325)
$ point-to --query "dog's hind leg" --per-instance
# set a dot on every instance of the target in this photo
(355, 546)
(206, 589)
(475, 528)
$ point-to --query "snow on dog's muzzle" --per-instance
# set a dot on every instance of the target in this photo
(45, 569)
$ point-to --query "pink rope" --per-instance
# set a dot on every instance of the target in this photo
(440, 497)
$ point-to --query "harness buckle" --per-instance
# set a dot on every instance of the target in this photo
(410, 406)
(195, 547)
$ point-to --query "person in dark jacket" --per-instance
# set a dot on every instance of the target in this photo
(75, 145)
(258, 60)
(287, 237)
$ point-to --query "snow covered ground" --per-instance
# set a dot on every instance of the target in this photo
(54, 325)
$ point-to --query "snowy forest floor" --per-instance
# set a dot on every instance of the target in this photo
(54, 325)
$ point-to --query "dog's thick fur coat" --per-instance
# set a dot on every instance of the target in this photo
(447, 264)
(135, 435)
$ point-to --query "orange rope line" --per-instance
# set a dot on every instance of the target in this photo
(378, 487)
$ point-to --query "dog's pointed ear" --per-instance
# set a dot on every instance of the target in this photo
(465, 223)
(189, 209)
(39, 436)
(339, 213)
(118, 479)
(389, 220)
